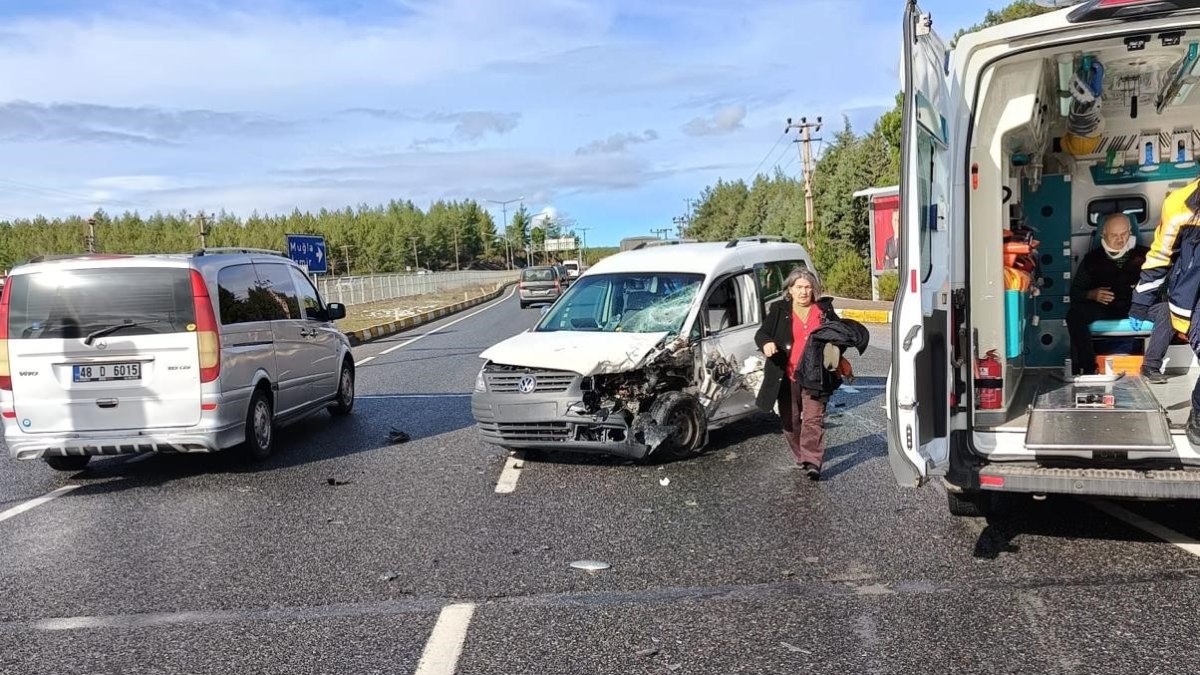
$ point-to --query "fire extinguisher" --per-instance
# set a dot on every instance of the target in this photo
(988, 380)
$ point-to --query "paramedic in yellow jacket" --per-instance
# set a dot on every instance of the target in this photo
(1172, 261)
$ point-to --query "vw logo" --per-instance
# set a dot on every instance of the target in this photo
(527, 384)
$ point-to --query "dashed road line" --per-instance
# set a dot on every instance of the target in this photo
(512, 471)
(362, 361)
(446, 641)
(34, 503)
(1163, 532)
(406, 343)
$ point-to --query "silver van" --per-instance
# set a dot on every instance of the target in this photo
(115, 354)
(646, 353)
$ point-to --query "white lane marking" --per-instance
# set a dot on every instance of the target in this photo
(141, 458)
(510, 474)
(362, 361)
(446, 641)
(1161, 531)
(406, 343)
(34, 503)
(387, 396)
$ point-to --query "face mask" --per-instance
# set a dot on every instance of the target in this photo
(1117, 253)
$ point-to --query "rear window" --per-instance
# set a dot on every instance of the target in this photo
(543, 274)
(72, 303)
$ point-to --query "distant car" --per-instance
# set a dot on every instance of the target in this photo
(564, 274)
(573, 268)
(542, 284)
(198, 352)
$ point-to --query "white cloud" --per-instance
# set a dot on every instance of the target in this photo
(617, 143)
(725, 120)
(84, 122)
(470, 125)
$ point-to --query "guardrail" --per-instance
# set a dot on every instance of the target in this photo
(377, 287)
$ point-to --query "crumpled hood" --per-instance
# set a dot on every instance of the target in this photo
(586, 353)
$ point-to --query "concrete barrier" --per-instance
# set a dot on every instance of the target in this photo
(358, 337)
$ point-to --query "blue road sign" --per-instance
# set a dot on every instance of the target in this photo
(308, 249)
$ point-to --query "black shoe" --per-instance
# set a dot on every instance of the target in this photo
(1193, 429)
(814, 473)
(1153, 376)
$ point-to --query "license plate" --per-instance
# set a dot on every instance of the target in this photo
(108, 372)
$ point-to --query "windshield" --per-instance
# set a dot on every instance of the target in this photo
(645, 302)
(538, 274)
(74, 303)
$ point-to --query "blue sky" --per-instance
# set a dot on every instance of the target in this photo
(612, 112)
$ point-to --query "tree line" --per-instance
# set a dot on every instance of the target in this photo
(389, 238)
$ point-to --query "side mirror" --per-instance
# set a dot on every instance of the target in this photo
(335, 311)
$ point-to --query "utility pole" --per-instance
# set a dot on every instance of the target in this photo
(583, 248)
(806, 128)
(659, 234)
(416, 260)
(680, 224)
(346, 257)
(202, 229)
(504, 210)
(456, 247)
(89, 242)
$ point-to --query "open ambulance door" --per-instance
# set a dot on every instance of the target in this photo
(919, 389)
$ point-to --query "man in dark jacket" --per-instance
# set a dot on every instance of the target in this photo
(1102, 287)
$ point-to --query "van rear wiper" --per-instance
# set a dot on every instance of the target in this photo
(109, 330)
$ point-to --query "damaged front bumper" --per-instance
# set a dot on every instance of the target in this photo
(549, 423)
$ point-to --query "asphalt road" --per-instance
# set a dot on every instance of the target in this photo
(207, 564)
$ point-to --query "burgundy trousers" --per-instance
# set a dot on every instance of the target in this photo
(804, 425)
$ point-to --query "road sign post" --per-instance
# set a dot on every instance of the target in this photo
(308, 250)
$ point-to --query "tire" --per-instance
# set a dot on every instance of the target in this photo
(344, 403)
(71, 463)
(683, 411)
(524, 305)
(984, 504)
(260, 426)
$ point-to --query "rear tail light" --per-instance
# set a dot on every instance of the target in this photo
(5, 373)
(520, 285)
(208, 340)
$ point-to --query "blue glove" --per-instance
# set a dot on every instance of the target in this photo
(1137, 316)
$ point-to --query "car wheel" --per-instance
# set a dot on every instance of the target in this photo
(524, 305)
(71, 463)
(260, 425)
(344, 403)
(685, 418)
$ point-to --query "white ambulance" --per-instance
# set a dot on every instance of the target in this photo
(1017, 144)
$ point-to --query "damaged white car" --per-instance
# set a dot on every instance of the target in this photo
(646, 353)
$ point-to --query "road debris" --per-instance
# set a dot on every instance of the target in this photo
(645, 653)
(336, 481)
(397, 436)
(590, 565)
(389, 576)
(794, 649)
(664, 481)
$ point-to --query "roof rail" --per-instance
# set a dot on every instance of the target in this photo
(71, 256)
(665, 242)
(758, 239)
(216, 250)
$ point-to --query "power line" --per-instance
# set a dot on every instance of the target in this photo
(769, 153)
(64, 193)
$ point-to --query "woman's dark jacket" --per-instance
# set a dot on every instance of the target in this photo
(813, 376)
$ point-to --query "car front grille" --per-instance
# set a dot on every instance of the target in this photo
(518, 432)
(508, 381)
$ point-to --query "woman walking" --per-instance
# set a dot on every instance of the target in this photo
(802, 386)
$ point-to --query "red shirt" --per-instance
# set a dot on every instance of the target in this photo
(802, 327)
